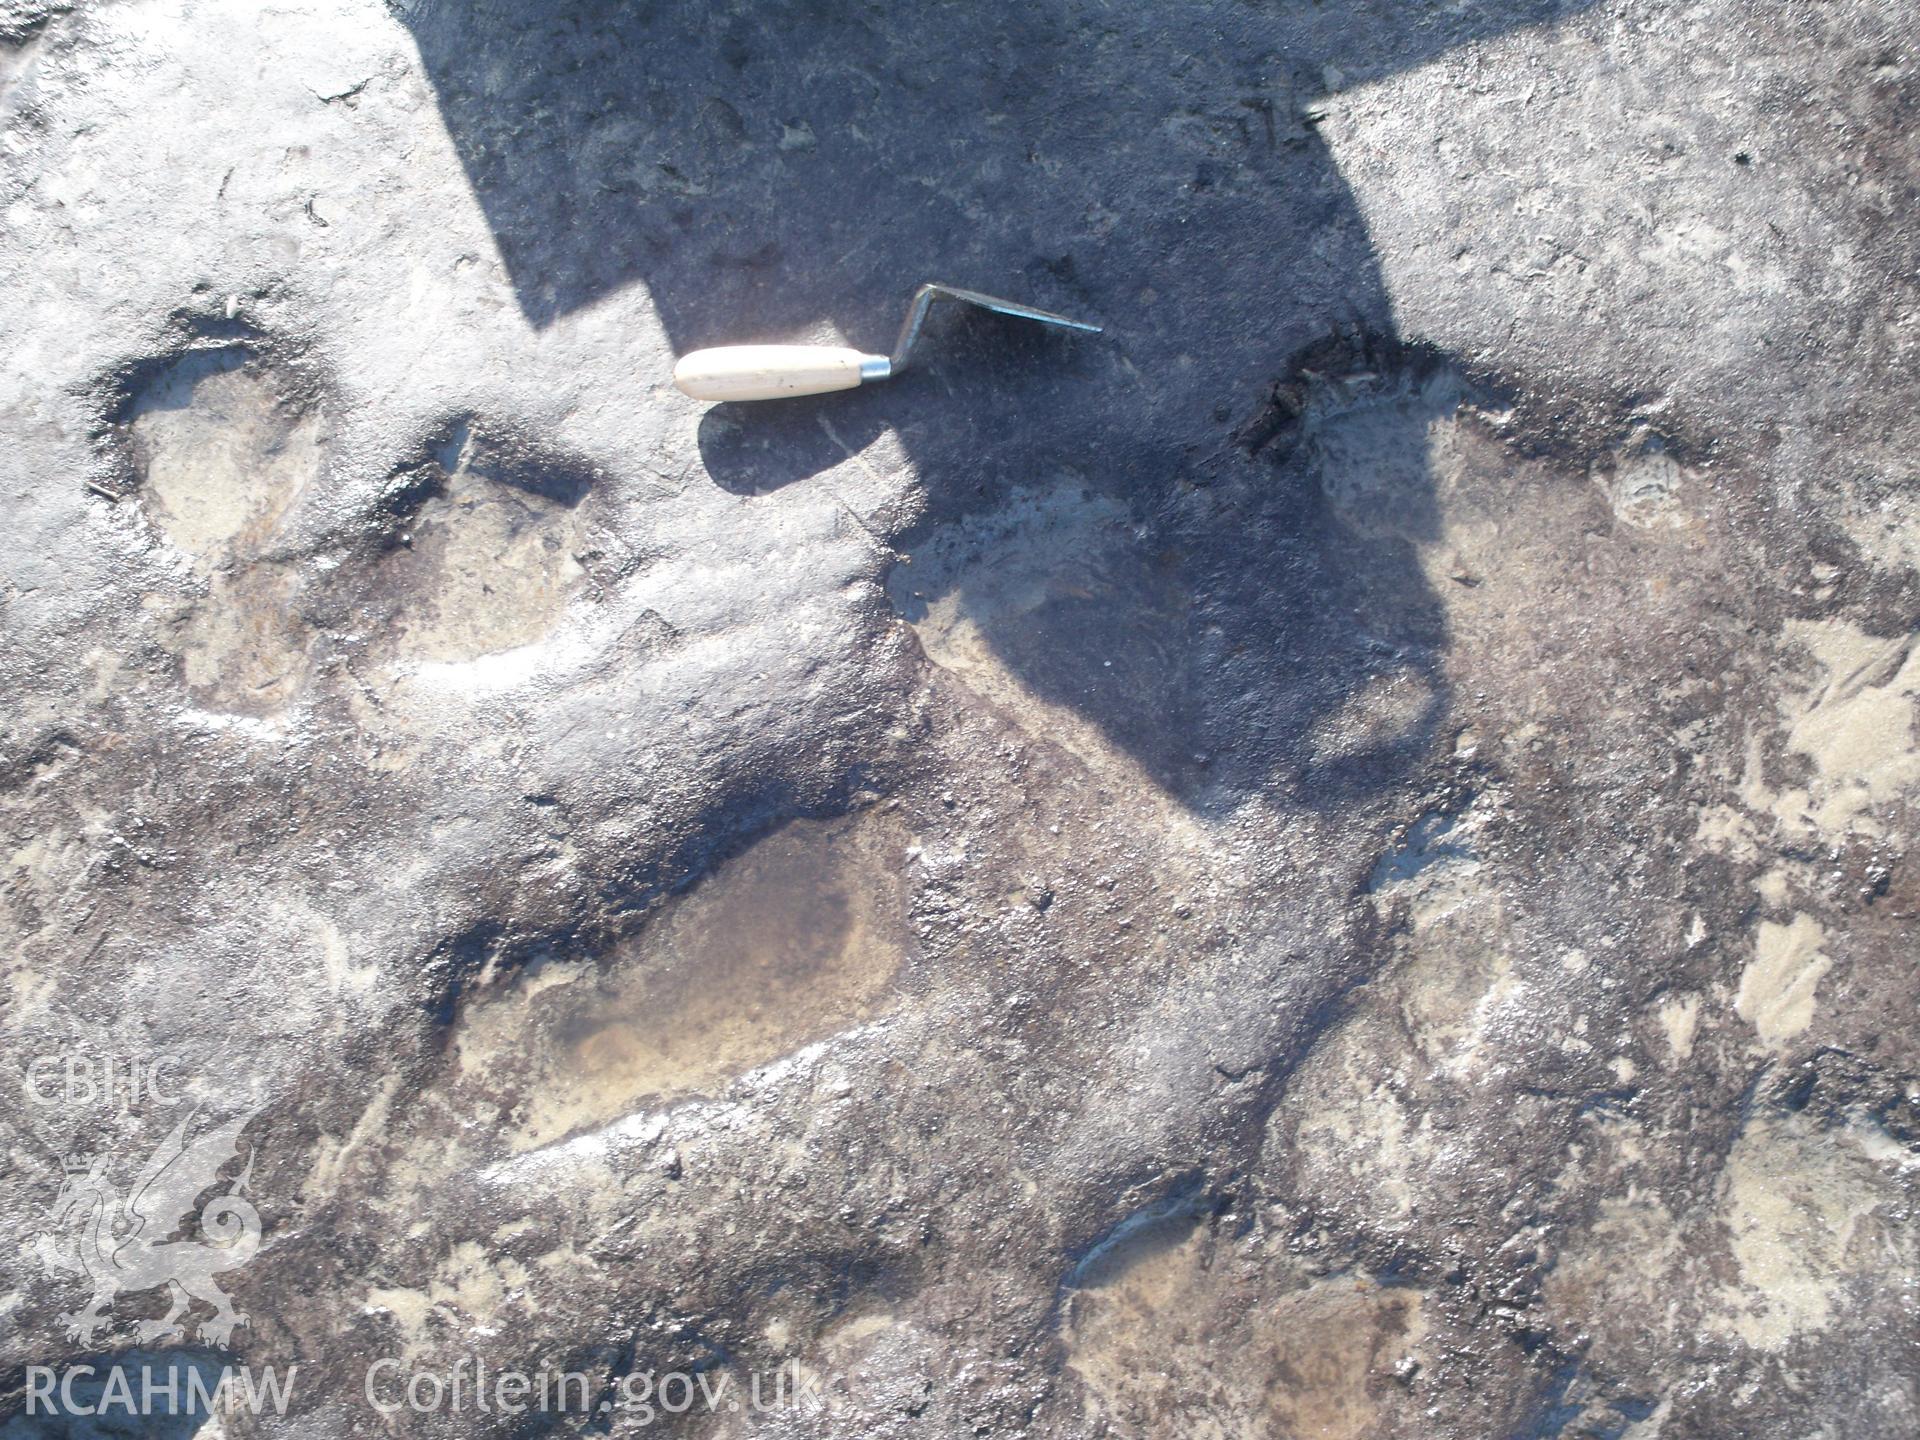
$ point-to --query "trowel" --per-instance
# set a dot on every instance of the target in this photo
(774, 372)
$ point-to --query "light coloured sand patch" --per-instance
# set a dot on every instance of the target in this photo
(1622, 1263)
(222, 454)
(470, 1292)
(1851, 723)
(1723, 828)
(1777, 988)
(1457, 980)
(1367, 1136)
(242, 648)
(1800, 1233)
(1166, 1336)
(793, 940)
(1446, 1006)
(1773, 887)
(1646, 488)
(1809, 1213)
(490, 568)
(1855, 723)
(1679, 1018)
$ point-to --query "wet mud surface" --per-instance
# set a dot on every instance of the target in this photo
(1334, 861)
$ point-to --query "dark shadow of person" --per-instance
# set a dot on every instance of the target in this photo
(1136, 527)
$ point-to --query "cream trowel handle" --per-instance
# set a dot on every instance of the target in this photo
(771, 372)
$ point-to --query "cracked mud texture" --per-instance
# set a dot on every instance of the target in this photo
(1334, 862)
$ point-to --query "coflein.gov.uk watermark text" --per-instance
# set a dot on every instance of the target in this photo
(643, 1395)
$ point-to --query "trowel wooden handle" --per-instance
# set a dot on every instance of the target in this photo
(771, 372)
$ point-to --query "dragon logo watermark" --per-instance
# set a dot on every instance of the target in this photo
(127, 1243)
